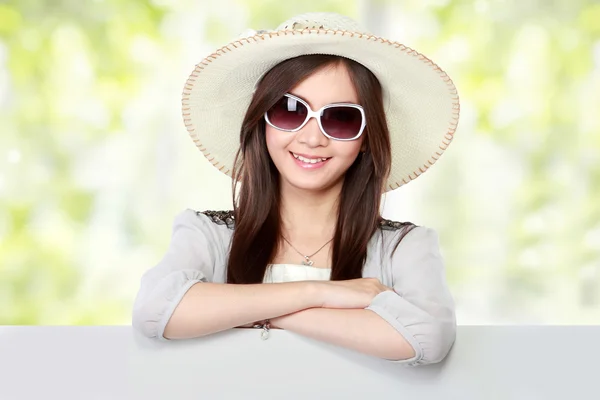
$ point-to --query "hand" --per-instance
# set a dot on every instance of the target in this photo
(353, 293)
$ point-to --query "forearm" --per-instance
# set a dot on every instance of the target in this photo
(212, 307)
(356, 329)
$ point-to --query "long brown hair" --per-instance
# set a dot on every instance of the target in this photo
(257, 211)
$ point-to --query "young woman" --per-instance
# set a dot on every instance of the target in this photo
(314, 121)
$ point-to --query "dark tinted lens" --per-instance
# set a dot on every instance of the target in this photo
(341, 122)
(287, 113)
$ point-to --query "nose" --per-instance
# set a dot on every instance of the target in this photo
(311, 134)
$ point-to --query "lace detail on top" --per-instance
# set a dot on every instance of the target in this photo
(220, 217)
(226, 217)
(389, 225)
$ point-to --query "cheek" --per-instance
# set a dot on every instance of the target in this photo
(276, 144)
(349, 150)
(274, 141)
(271, 142)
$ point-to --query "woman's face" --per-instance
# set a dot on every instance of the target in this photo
(331, 84)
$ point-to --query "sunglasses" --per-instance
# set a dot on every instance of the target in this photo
(338, 121)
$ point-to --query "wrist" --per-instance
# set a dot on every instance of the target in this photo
(314, 294)
(276, 323)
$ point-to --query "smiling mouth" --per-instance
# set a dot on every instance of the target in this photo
(309, 160)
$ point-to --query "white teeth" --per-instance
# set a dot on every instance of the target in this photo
(307, 160)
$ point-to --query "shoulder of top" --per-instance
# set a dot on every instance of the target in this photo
(226, 217)
(223, 217)
(389, 225)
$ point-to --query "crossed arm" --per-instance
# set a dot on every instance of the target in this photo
(356, 329)
(298, 310)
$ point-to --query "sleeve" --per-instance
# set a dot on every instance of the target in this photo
(421, 307)
(190, 258)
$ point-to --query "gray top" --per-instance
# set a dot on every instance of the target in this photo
(420, 308)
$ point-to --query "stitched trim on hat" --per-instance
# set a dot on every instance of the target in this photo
(411, 176)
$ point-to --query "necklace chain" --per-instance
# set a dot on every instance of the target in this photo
(307, 259)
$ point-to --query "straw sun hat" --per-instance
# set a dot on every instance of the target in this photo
(420, 100)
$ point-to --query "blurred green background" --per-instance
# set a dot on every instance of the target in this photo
(95, 161)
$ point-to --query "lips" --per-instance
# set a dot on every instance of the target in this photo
(309, 165)
(308, 159)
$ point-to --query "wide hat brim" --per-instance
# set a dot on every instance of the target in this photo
(421, 101)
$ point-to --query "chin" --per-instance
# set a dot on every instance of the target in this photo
(308, 184)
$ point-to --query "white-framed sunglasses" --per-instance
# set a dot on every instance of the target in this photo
(338, 121)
